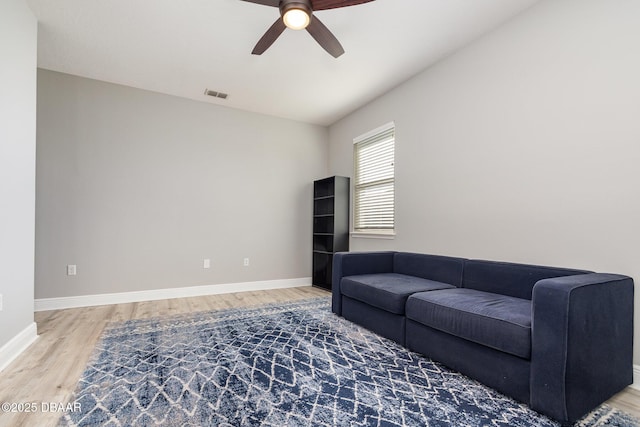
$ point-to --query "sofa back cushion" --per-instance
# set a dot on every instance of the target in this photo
(353, 263)
(505, 278)
(432, 267)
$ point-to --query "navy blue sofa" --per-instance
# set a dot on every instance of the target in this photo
(557, 339)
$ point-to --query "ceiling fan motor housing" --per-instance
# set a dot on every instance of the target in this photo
(286, 5)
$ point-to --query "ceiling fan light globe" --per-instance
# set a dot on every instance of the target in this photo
(296, 19)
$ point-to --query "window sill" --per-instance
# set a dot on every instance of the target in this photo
(390, 235)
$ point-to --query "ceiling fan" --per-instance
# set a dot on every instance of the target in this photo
(298, 15)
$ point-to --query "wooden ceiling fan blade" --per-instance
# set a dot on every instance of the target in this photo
(274, 3)
(334, 4)
(324, 37)
(269, 37)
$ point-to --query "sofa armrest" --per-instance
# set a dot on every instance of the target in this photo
(582, 342)
(352, 263)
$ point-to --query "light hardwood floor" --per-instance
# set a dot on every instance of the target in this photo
(49, 370)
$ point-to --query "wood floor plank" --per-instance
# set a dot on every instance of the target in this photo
(49, 370)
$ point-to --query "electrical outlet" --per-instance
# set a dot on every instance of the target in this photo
(246, 262)
(206, 263)
(71, 270)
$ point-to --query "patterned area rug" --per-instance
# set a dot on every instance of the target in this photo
(294, 364)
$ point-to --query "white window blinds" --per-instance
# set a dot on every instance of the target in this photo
(374, 198)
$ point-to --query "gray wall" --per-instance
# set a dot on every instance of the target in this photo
(524, 146)
(137, 188)
(18, 54)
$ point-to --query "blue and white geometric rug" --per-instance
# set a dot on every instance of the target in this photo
(294, 364)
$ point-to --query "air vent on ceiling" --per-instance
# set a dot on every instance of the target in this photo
(216, 94)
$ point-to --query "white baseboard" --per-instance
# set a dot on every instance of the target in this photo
(45, 304)
(11, 350)
(636, 377)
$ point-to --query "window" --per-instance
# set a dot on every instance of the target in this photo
(374, 200)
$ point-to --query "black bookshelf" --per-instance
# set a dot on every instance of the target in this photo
(330, 226)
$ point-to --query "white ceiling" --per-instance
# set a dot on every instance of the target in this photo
(182, 47)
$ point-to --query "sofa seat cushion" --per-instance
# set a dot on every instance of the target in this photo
(497, 321)
(387, 291)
